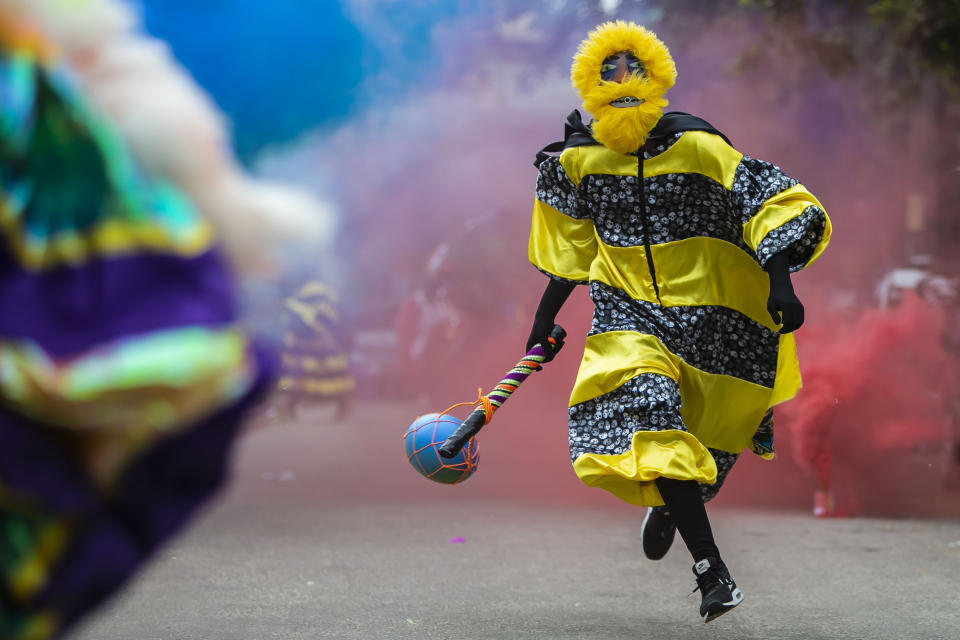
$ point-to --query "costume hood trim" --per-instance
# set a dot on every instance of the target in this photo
(612, 37)
(623, 129)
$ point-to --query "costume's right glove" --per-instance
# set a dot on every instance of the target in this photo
(539, 334)
(553, 298)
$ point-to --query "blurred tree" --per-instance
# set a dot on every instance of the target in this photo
(904, 43)
(895, 55)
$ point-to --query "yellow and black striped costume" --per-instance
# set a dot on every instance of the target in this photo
(682, 355)
(315, 364)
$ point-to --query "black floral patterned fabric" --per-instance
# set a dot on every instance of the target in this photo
(678, 206)
(649, 402)
(655, 147)
(555, 189)
(605, 425)
(799, 238)
(711, 338)
(753, 184)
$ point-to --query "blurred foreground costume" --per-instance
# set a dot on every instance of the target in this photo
(123, 373)
(686, 245)
(315, 365)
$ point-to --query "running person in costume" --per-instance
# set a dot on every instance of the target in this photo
(687, 247)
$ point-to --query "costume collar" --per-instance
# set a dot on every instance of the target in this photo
(577, 134)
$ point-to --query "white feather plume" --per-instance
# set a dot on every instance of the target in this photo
(174, 128)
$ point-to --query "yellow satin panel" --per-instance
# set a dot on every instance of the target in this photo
(561, 245)
(624, 268)
(610, 359)
(780, 209)
(789, 380)
(708, 271)
(596, 159)
(697, 152)
(721, 411)
(687, 273)
(570, 162)
(652, 454)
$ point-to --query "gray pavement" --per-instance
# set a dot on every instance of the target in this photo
(298, 548)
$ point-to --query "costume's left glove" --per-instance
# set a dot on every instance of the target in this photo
(783, 304)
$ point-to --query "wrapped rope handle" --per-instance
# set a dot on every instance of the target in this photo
(491, 402)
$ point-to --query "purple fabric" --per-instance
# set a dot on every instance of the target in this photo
(100, 559)
(114, 535)
(162, 490)
(70, 309)
(35, 463)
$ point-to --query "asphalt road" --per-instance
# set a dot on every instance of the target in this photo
(299, 547)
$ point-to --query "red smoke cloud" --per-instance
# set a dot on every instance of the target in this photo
(875, 400)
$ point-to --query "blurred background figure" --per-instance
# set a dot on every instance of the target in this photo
(929, 280)
(463, 310)
(428, 325)
(125, 368)
(919, 272)
(315, 360)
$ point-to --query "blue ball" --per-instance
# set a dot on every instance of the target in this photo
(421, 440)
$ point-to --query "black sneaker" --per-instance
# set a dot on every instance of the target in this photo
(657, 532)
(718, 591)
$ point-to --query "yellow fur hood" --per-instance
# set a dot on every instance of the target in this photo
(611, 37)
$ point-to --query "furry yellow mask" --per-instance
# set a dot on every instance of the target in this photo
(623, 128)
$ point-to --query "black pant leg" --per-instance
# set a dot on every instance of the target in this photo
(685, 503)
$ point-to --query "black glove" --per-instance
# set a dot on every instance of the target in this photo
(553, 298)
(783, 304)
(540, 334)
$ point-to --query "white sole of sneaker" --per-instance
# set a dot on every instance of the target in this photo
(727, 606)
